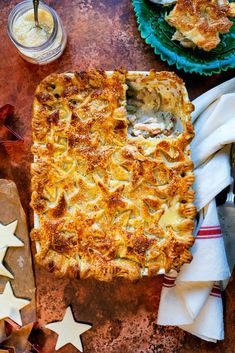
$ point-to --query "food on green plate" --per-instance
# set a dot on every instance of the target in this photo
(199, 23)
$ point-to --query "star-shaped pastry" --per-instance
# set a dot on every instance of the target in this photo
(3, 270)
(69, 330)
(10, 305)
(7, 237)
(7, 134)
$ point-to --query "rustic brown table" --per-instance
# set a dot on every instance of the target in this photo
(101, 34)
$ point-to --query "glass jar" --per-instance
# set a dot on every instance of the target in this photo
(51, 48)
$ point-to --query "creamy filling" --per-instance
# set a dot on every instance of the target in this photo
(145, 118)
(185, 42)
(161, 123)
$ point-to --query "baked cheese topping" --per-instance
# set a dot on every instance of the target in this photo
(27, 34)
(111, 203)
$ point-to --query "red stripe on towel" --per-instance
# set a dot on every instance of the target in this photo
(168, 286)
(216, 290)
(169, 277)
(216, 295)
(212, 232)
(169, 281)
(209, 231)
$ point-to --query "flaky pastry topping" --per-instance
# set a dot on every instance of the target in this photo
(111, 202)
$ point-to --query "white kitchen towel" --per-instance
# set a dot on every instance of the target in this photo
(192, 298)
(209, 257)
(186, 295)
(212, 312)
(211, 177)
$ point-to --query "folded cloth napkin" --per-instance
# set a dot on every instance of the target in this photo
(191, 299)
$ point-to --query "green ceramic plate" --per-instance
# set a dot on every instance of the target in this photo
(157, 33)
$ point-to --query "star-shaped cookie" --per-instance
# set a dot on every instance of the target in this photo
(7, 237)
(68, 330)
(10, 305)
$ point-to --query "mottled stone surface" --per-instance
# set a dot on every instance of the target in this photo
(103, 34)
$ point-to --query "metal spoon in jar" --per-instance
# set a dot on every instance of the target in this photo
(35, 9)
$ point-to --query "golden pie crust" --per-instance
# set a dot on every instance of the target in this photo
(200, 22)
(109, 204)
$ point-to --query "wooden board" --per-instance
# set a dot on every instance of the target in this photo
(18, 260)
